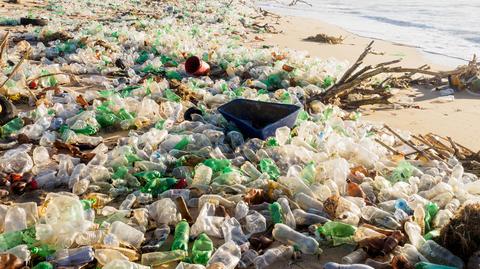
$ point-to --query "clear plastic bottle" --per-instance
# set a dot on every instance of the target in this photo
(228, 255)
(438, 254)
(357, 256)
(287, 235)
(272, 255)
(15, 219)
(304, 218)
(76, 256)
(232, 231)
(127, 234)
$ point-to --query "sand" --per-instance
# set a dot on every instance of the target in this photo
(457, 119)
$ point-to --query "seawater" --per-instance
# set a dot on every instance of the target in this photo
(448, 31)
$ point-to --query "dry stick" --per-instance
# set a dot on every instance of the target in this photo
(294, 2)
(440, 149)
(430, 145)
(387, 147)
(3, 45)
(46, 75)
(357, 63)
(15, 69)
(461, 146)
(426, 154)
(456, 151)
(445, 147)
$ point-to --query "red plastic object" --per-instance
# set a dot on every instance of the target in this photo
(195, 66)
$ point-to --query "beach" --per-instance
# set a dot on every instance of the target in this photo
(457, 119)
(126, 65)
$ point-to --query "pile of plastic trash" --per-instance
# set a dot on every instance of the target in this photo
(186, 187)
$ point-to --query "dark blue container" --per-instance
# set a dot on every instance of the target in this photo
(259, 119)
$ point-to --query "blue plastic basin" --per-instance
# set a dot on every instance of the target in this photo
(259, 119)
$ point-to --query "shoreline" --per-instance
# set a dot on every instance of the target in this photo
(455, 119)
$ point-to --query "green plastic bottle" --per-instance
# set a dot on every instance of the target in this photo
(157, 186)
(432, 235)
(12, 126)
(87, 130)
(308, 173)
(431, 210)
(149, 175)
(10, 239)
(106, 119)
(427, 265)
(182, 144)
(123, 114)
(202, 249)
(402, 172)
(43, 265)
(42, 251)
(268, 166)
(180, 238)
(171, 96)
(120, 172)
(336, 229)
(276, 212)
(217, 165)
(88, 203)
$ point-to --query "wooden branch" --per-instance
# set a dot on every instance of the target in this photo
(294, 2)
(394, 151)
(3, 45)
(357, 63)
(411, 145)
(15, 69)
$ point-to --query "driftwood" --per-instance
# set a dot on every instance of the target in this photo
(294, 2)
(435, 147)
(356, 77)
(3, 45)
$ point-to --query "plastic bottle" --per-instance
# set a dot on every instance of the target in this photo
(105, 256)
(357, 256)
(15, 219)
(414, 234)
(203, 175)
(181, 236)
(438, 254)
(202, 249)
(232, 231)
(163, 257)
(121, 264)
(255, 223)
(333, 229)
(304, 218)
(287, 235)
(241, 210)
(427, 265)
(69, 257)
(272, 255)
(333, 265)
(247, 258)
(228, 255)
(43, 265)
(269, 167)
(287, 212)
(276, 212)
(127, 234)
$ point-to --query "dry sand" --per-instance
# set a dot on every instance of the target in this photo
(458, 119)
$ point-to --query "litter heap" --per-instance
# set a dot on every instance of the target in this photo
(185, 187)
